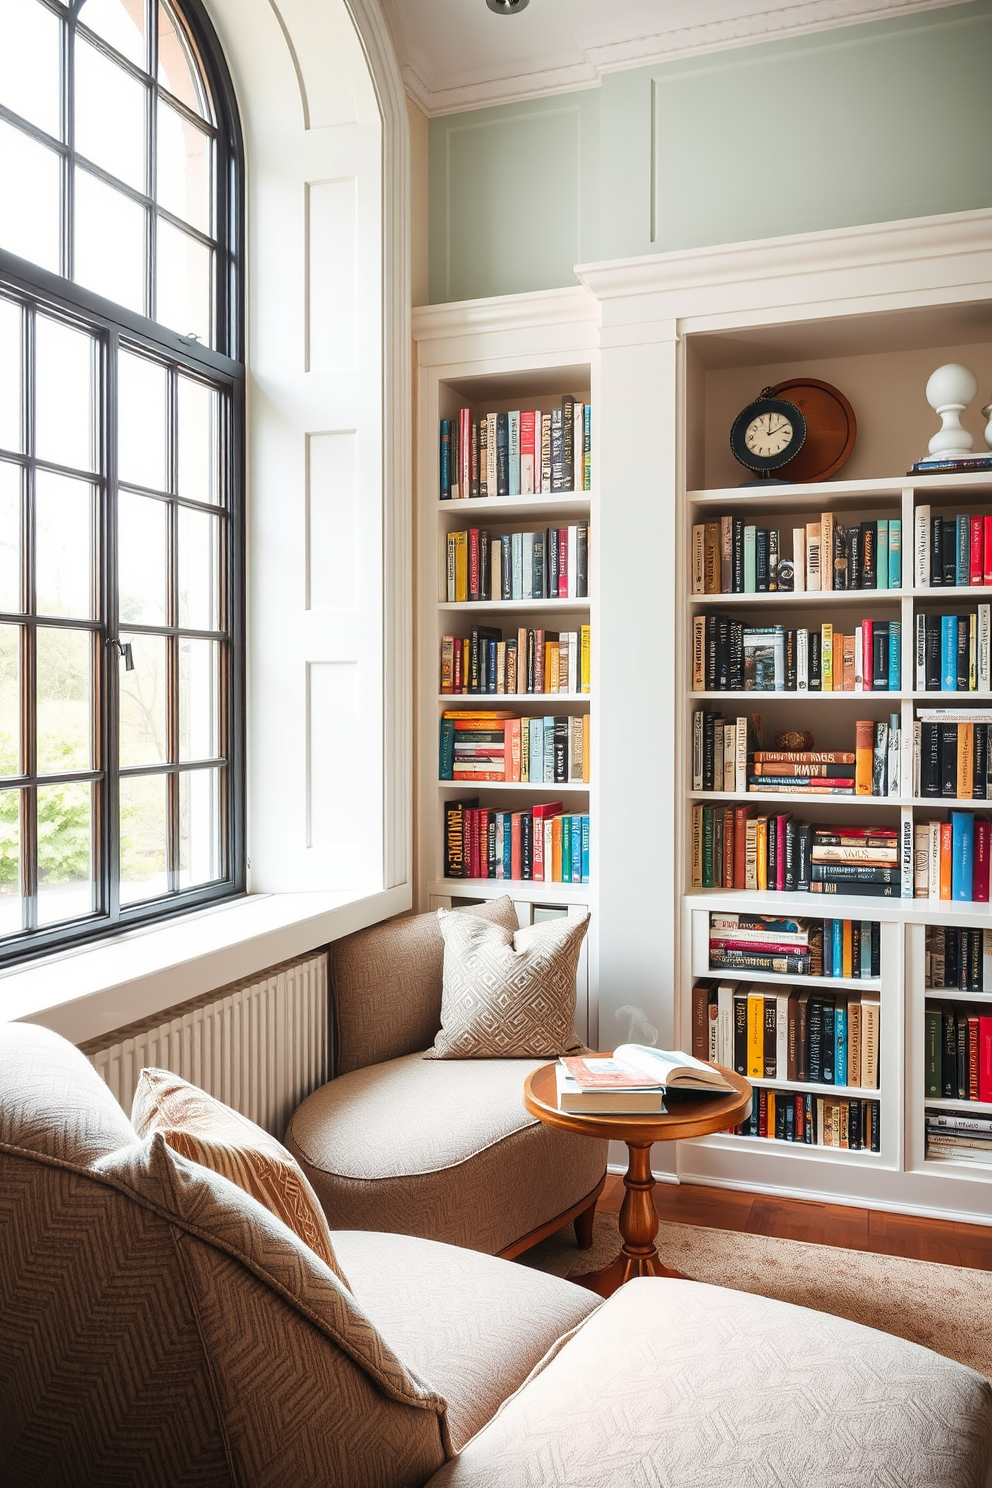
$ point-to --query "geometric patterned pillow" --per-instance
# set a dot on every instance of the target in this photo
(207, 1132)
(508, 994)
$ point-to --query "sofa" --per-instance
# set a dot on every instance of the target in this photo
(158, 1326)
(441, 1148)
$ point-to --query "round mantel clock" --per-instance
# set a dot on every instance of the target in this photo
(767, 434)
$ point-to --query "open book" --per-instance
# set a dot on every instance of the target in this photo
(672, 1069)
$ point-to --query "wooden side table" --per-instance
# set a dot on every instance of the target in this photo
(690, 1116)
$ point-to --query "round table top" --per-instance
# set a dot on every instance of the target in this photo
(689, 1115)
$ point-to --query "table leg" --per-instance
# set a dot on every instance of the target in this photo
(638, 1228)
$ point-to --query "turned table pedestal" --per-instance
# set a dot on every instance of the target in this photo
(689, 1115)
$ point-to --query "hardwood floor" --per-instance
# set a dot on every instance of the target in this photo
(947, 1241)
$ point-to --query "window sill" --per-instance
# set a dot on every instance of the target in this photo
(87, 992)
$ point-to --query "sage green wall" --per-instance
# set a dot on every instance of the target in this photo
(866, 123)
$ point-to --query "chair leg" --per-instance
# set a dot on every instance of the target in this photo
(584, 1226)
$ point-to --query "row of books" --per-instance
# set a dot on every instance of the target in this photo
(956, 1138)
(953, 652)
(951, 755)
(721, 761)
(952, 552)
(733, 848)
(731, 655)
(542, 844)
(957, 1051)
(531, 660)
(958, 957)
(802, 1035)
(820, 1121)
(951, 859)
(552, 563)
(730, 556)
(523, 452)
(828, 948)
(501, 746)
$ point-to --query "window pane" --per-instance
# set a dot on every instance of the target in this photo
(143, 837)
(141, 421)
(29, 190)
(110, 243)
(29, 64)
(199, 570)
(184, 271)
(10, 537)
(177, 70)
(65, 416)
(10, 700)
(199, 440)
(65, 855)
(63, 545)
(65, 726)
(199, 700)
(141, 559)
(110, 115)
(10, 375)
(10, 862)
(144, 738)
(200, 856)
(184, 175)
(121, 22)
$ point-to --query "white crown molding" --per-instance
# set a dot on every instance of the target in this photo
(598, 58)
(538, 309)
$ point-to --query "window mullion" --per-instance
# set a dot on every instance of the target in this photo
(68, 97)
(29, 676)
(172, 646)
(108, 659)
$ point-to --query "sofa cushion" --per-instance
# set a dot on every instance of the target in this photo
(508, 993)
(206, 1131)
(53, 1100)
(491, 1321)
(387, 985)
(675, 1383)
(443, 1149)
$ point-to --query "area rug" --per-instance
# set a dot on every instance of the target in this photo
(945, 1308)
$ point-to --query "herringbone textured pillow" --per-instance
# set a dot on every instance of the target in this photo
(508, 994)
(206, 1131)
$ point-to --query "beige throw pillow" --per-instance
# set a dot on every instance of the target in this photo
(207, 1132)
(508, 994)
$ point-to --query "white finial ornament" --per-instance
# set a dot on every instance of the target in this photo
(950, 389)
(987, 414)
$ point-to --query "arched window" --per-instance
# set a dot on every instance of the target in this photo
(121, 512)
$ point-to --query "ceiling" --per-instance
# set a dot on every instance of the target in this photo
(456, 54)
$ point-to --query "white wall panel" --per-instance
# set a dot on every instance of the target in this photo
(331, 288)
(333, 551)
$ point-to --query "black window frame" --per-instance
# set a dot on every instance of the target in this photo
(223, 367)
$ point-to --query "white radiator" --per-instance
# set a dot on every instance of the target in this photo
(260, 1046)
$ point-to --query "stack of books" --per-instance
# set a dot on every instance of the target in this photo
(958, 958)
(744, 942)
(733, 848)
(730, 556)
(805, 1035)
(952, 552)
(821, 1121)
(957, 1051)
(633, 1081)
(951, 755)
(523, 452)
(531, 660)
(550, 564)
(729, 655)
(952, 859)
(864, 860)
(953, 652)
(722, 761)
(958, 1138)
(496, 746)
(542, 843)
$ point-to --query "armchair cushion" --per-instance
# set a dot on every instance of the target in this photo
(508, 993)
(387, 985)
(491, 1322)
(676, 1382)
(443, 1149)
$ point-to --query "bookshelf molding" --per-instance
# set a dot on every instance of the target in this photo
(675, 345)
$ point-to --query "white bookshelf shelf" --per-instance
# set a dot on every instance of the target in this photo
(517, 606)
(490, 888)
(829, 984)
(494, 508)
(814, 1087)
(823, 495)
(802, 697)
(495, 700)
(959, 1107)
(546, 788)
(826, 598)
(951, 994)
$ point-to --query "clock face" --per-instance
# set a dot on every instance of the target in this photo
(768, 434)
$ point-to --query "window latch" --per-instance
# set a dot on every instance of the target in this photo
(124, 649)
